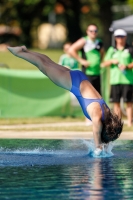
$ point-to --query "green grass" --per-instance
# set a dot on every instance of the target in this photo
(54, 128)
(39, 120)
(46, 120)
(16, 63)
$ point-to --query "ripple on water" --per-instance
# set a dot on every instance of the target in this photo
(66, 173)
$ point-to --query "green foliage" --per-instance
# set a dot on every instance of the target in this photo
(31, 2)
(31, 13)
(130, 2)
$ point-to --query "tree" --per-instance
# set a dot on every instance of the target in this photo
(75, 14)
(106, 17)
(72, 18)
(27, 13)
(24, 13)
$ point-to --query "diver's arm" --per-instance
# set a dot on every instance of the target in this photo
(97, 129)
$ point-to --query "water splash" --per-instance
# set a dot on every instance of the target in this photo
(34, 151)
(106, 152)
(69, 148)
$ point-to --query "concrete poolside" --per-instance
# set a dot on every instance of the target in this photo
(8, 131)
(55, 135)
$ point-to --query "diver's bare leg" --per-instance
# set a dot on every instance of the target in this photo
(58, 74)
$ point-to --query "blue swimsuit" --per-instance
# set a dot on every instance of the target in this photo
(77, 77)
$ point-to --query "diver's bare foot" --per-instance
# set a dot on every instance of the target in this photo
(17, 50)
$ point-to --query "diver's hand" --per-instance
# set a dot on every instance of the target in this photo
(97, 151)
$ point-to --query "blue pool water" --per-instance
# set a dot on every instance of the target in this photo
(51, 169)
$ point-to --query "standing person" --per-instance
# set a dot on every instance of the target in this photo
(106, 125)
(92, 54)
(67, 60)
(120, 60)
(71, 63)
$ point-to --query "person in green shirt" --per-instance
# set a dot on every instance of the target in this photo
(92, 54)
(67, 60)
(120, 60)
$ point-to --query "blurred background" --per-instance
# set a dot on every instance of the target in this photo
(44, 26)
(47, 24)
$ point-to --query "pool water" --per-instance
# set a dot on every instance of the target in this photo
(62, 169)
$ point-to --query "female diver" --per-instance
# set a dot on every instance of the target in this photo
(106, 126)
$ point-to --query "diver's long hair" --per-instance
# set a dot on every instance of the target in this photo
(112, 128)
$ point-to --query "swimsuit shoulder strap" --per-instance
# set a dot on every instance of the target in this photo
(102, 103)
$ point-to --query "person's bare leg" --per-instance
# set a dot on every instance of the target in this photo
(117, 109)
(88, 122)
(129, 114)
(58, 74)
